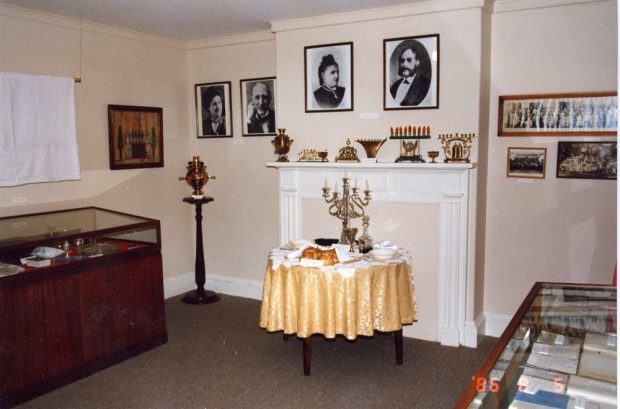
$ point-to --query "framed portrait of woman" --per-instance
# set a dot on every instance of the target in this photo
(213, 113)
(329, 77)
(411, 72)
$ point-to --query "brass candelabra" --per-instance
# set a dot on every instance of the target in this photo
(348, 206)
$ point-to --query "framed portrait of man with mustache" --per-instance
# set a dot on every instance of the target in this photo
(411, 72)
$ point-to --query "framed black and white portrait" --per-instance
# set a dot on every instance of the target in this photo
(213, 114)
(329, 77)
(258, 106)
(411, 72)
(587, 160)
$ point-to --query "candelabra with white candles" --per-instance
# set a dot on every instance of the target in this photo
(347, 206)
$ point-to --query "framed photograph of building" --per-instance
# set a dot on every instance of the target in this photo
(411, 72)
(136, 137)
(329, 77)
(258, 106)
(213, 113)
(587, 160)
(576, 114)
(526, 163)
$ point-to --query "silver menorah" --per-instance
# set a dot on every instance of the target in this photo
(348, 206)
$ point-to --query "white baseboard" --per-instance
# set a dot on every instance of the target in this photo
(496, 324)
(240, 287)
(473, 331)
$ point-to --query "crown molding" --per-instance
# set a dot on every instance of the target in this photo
(418, 8)
(86, 26)
(256, 37)
(507, 6)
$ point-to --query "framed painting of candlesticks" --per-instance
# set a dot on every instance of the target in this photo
(213, 113)
(136, 137)
(411, 72)
(329, 77)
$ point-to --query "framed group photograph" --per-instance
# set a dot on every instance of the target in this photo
(411, 72)
(213, 113)
(587, 160)
(526, 163)
(136, 137)
(329, 77)
(575, 114)
(258, 106)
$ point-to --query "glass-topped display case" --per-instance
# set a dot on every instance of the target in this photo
(559, 351)
(77, 234)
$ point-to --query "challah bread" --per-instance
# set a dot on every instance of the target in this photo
(329, 257)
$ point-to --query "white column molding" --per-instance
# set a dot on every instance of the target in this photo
(443, 184)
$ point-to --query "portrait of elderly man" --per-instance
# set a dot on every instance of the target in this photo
(261, 118)
(411, 83)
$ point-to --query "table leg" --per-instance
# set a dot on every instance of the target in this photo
(398, 346)
(307, 347)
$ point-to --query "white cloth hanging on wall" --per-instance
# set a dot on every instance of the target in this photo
(38, 139)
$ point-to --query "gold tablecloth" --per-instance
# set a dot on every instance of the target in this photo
(311, 300)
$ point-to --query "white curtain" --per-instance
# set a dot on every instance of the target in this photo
(38, 140)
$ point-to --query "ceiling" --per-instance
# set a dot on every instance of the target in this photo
(198, 19)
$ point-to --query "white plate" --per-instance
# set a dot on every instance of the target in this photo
(297, 244)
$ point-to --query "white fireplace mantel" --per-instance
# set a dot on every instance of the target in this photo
(443, 184)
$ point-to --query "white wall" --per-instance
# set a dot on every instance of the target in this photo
(551, 229)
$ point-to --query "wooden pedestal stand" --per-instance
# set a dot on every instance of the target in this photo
(199, 295)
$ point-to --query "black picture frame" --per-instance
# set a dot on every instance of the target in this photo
(423, 90)
(258, 106)
(205, 93)
(587, 160)
(136, 137)
(319, 62)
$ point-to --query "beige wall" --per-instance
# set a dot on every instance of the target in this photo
(562, 230)
(551, 229)
(117, 67)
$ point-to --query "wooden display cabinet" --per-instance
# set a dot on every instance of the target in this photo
(97, 304)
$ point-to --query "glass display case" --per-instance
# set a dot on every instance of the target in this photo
(80, 290)
(79, 233)
(559, 351)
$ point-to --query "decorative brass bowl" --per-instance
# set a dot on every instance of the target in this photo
(371, 146)
(433, 155)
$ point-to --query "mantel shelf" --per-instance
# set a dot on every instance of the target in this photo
(372, 165)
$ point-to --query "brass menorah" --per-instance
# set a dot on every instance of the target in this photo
(456, 148)
(348, 206)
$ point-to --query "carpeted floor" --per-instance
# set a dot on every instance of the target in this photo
(218, 357)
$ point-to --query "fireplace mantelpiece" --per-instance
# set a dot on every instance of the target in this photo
(443, 184)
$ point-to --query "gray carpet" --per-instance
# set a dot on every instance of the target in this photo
(218, 357)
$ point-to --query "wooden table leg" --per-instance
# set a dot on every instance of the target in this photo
(398, 346)
(307, 347)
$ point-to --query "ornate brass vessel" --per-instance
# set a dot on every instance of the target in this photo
(371, 146)
(282, 144)
(196, 175)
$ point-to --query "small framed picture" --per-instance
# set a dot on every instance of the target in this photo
(411, 72)
(213, 114)
(526, 163)
(329, 77)
(258, 106)
(587, 160)
(136, 137)
(576, 114)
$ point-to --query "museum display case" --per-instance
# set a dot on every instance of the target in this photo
(80, 290)
(559, 351)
